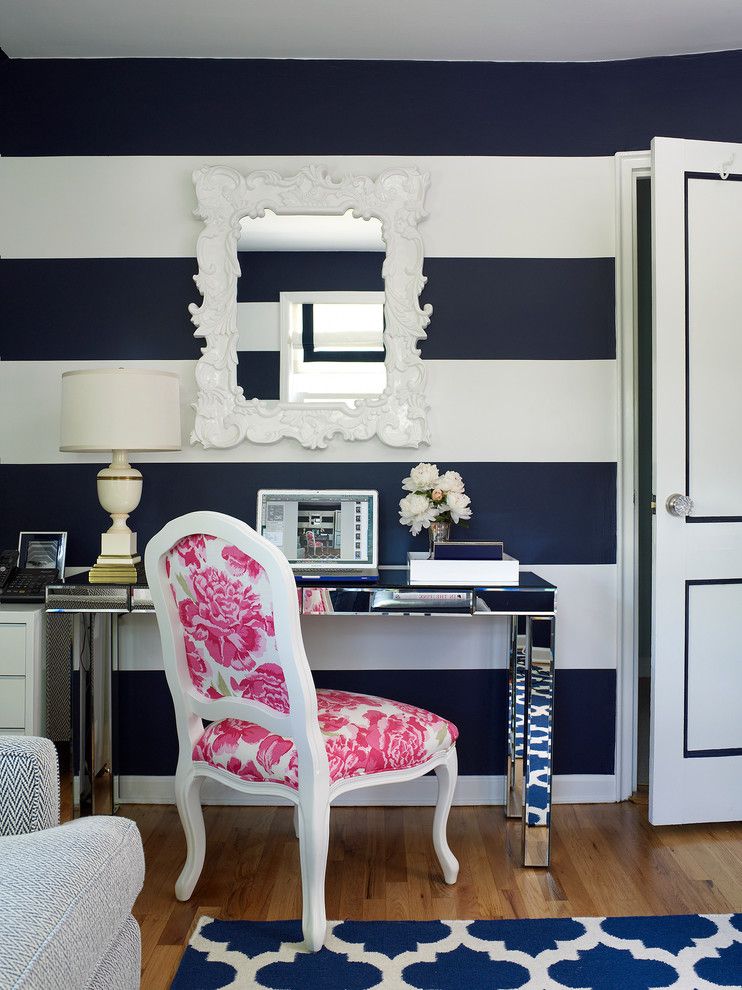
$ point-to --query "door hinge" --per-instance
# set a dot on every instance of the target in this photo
(653, 505)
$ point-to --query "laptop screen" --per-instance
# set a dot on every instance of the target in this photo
(320, 528)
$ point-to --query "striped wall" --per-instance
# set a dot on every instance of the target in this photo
(97, 240)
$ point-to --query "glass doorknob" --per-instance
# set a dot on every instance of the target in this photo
(679, 505)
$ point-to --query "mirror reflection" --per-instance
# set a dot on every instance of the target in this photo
(310, 308)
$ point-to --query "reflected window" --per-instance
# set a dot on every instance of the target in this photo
(341, 327)
(333, 346)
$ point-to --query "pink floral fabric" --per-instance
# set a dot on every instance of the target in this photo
(226, 613)
(315, 601)
(363, 735)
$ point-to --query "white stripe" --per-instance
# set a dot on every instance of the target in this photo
(587, 615)
(480, 411)
(586, 624)
(259, 326)
(142, 207)
(470, 790)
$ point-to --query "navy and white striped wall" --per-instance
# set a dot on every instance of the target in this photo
(97, 242)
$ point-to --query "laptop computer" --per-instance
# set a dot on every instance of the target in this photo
(323, 533)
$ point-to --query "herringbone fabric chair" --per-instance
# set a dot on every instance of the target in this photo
(29, 785)
(66, 891)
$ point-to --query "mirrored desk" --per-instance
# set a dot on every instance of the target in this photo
(529, 607)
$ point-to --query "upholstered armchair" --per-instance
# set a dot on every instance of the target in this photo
(66, 890)
(234, 657)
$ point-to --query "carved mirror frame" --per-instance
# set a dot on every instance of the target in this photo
(224, 417)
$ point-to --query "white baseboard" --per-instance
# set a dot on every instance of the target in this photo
(470, 790)
(584, 788)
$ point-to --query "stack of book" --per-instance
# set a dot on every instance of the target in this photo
(456, 562)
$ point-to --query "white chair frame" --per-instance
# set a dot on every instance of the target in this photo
(315, 792)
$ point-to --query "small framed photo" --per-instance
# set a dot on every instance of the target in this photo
(42, 551)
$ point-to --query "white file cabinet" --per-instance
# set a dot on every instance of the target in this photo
(21, 681)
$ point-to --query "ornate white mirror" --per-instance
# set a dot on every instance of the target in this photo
(329, 271)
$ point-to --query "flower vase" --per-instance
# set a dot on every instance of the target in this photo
(438, 532)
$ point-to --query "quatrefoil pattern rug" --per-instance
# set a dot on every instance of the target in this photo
(685, 952)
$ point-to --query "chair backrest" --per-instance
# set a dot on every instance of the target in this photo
(226, 605)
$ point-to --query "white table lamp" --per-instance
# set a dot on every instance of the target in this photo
(119, 409)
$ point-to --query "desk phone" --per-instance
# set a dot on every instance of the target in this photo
(26, 572)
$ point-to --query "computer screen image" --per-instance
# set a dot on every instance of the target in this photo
(320, 528)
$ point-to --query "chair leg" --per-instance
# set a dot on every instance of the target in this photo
(447, 773)
(188, 800)
(314, 837)
(296, 820)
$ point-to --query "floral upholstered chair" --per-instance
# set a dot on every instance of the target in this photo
(227, 611)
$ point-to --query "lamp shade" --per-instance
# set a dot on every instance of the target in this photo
(120, 409)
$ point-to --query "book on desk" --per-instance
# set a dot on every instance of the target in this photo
(468, 550)
(454, 562)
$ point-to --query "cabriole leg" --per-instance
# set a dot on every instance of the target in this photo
(446, 773)
(314, 837)
(188, 800)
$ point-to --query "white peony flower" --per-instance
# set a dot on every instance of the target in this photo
(422, 478)
(416, 511)
(458, 505)
(451, 481)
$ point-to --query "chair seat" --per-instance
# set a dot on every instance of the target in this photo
(363, 735)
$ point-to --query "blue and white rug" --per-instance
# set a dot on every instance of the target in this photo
(692, 952)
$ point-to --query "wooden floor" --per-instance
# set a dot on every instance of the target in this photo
(606, 860)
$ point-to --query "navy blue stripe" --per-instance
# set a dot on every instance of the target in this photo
(319, 108)
(474, 700)
(584, 720)
(259, 374)
(91, 309)
(550, 512)
(265, 274)
(137, 309)
(521, 308)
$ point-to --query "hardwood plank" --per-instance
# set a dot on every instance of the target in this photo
(163, 963)
(606, 859)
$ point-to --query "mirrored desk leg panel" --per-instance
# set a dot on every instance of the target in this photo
(86, 642)
(530, 735)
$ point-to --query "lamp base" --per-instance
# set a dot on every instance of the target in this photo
(119, 545)
(119, 491)
(116, 568)
(111, 569)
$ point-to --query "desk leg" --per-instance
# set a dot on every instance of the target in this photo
(58, 691)
(516, 694)
(537, 758)
(82, 732)
(96, 652)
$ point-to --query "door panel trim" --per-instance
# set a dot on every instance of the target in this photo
(687, 176)
(700, 753)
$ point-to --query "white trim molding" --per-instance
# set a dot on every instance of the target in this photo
(630, 165)
(224, 418)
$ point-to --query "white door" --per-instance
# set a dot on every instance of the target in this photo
(696, 724)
